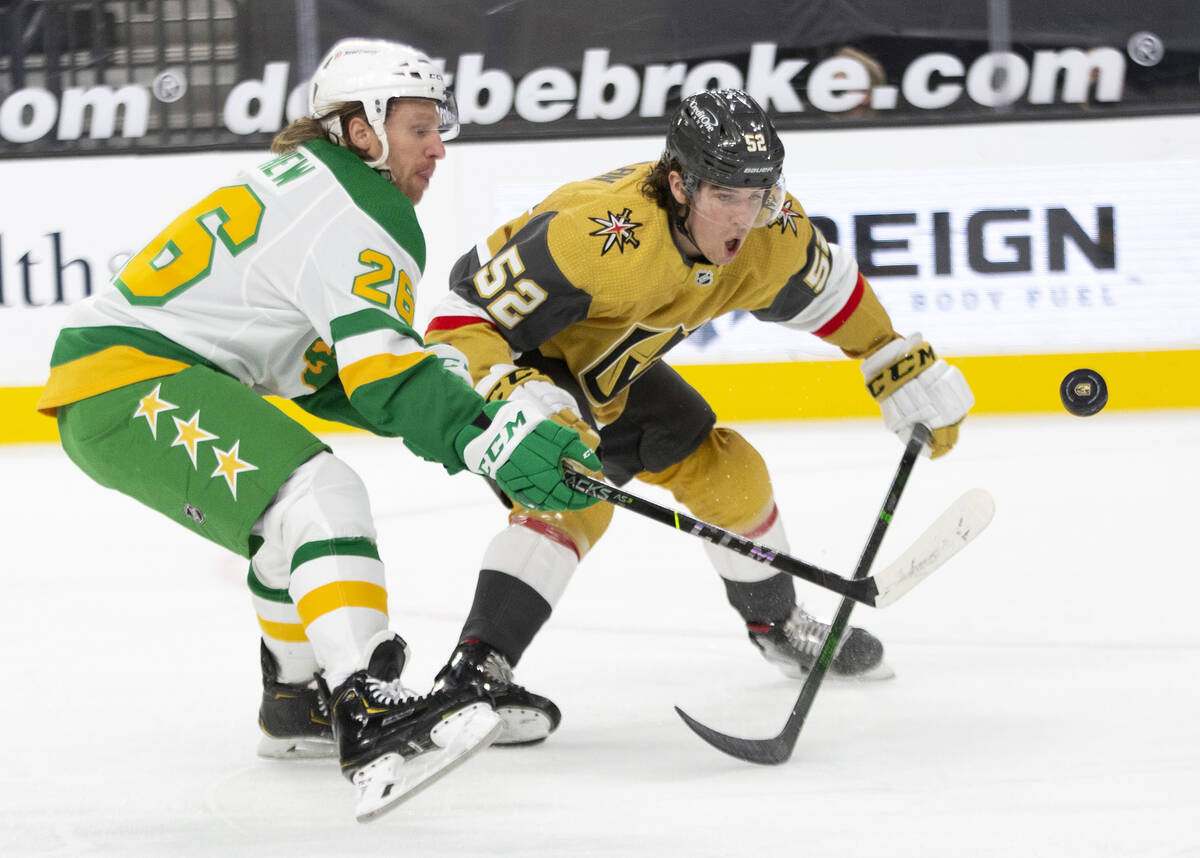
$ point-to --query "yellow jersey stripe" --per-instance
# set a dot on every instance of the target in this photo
(101, 372)
(376, 367)
(341, 594)
(288, 632)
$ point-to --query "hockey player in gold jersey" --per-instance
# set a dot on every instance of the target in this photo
(574, 304)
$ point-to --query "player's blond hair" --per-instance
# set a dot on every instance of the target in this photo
(307, 128)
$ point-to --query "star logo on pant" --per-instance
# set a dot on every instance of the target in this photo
(190, 435)
(150, 406)
(230, 464)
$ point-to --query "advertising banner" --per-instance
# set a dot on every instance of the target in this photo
(994, 258)
(118, 75)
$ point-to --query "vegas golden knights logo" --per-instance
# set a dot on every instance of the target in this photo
(617, 230)
(786, 220)
(628, 359)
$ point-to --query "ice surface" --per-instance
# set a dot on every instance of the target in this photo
(1047, 701)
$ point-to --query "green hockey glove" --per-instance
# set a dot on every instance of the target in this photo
(523, 452)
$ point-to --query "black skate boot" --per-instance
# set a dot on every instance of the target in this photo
(794, 643)
(393, 742)
(294, 719)
(528, 718)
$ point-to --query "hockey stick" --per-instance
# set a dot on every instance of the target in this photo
(878, 591)
(965, 519)
(778, 749)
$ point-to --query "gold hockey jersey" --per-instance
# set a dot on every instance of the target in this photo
(591, 276)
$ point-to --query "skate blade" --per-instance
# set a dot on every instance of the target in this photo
(390, 780)
(272, 748)
(877, 673)
(883, 670)
(522, 726)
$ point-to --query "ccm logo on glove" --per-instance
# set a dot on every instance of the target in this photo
(510, 423)
(913, 385)
(909, 365)
(511, 443)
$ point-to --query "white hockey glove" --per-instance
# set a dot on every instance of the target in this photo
(523, 452)
(913, 385)
(523, 384)
(452, 359)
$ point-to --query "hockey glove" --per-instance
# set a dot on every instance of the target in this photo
(523, 453)
(525, 384)
(913, 385)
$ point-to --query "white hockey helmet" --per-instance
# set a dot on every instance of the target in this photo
(371, 72)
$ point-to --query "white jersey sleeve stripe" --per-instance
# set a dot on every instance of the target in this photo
(839, 289)
(454, 305)
(384, 341)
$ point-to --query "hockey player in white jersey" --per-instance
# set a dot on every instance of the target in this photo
(298, 279)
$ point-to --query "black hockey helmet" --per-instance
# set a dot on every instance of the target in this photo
(724, 137)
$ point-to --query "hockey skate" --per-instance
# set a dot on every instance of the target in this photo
(294, 719)
(394, 743)
(793, 645)
(527, 717)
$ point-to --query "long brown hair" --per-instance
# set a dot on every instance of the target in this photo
(657, 184)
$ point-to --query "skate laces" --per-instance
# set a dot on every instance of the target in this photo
(496, 667)
(806, 633)
(493, 667)
(389, 692)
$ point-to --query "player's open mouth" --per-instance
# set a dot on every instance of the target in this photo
(732, 245)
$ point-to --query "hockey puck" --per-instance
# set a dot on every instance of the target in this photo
(1083, 392)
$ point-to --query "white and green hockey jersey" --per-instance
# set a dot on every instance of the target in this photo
(299, 281)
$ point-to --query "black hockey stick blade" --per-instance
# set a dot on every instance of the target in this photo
(778, 749)
(863, 590)
(766, 752)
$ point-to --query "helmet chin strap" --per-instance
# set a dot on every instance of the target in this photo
(681, 225)
(380, 163)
